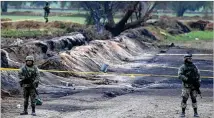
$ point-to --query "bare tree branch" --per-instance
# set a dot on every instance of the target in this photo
(127, 15)
(143, 19)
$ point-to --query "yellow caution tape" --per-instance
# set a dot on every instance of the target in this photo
(122, 74)
(9, 69)
(132, 76)
(178, 68)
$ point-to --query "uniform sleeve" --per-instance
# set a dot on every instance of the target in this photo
(181, 75)
(21, 73)
(198, 73)
(37, 76)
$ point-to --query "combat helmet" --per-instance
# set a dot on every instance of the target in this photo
(29, 58)
(188, 56)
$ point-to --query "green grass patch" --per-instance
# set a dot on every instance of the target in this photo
(78, 18)
(205, 40)
(12, 33)
(52, 10)
(194, 35)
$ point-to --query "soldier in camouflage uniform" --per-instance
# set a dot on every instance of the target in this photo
(29, 80)
(190, 76)
(46, 11)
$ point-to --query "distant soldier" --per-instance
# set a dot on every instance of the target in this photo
(190, 76)
(29, 80)
(47, 11)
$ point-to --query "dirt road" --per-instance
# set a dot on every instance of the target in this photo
(136, 97)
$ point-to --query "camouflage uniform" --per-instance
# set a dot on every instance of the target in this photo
(29, 81)
(189, 74)
(46, 11)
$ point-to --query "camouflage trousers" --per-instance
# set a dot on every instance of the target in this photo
(29, 92)
(186, 92)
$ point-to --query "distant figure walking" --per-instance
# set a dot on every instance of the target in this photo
(47, 11)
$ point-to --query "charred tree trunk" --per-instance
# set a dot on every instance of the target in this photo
(180, 12)
(138, 12)
(108, 11)
(119, 27)
(4, 6)
(122, 25)
(141, 20)
(95, 15)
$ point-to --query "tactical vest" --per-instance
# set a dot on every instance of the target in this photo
(29, 74)
(47, 9)
(191, 72)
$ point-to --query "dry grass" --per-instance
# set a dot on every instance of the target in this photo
(30, 24)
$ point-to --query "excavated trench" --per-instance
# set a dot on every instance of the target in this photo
(71, 53)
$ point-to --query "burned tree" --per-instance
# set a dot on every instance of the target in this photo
(103, 14)
(4, 5)
(96, 13)
(122, 25)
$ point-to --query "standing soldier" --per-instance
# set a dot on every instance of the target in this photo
(190, 76)
(29, 76)
(47, 11)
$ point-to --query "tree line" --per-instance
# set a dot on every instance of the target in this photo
(102, 13)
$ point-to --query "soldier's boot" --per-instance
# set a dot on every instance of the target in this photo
(195, 112)
(183, 112)
(25, 110)
(24, 113)
(46, 20)
(33, 111)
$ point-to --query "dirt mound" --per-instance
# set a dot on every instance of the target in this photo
(5, 94)
(91, 57)
(61, 24)
(27, 24)
(200, 24)
(189, 17)
(69, 53)
(5, 19)
(42, 49)
(209, 26)
(210, 17)
(6, 60)
(30, 24)
(171, 25)
(25, 13)
(6, 25)
(10, 82)
(138, 32)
